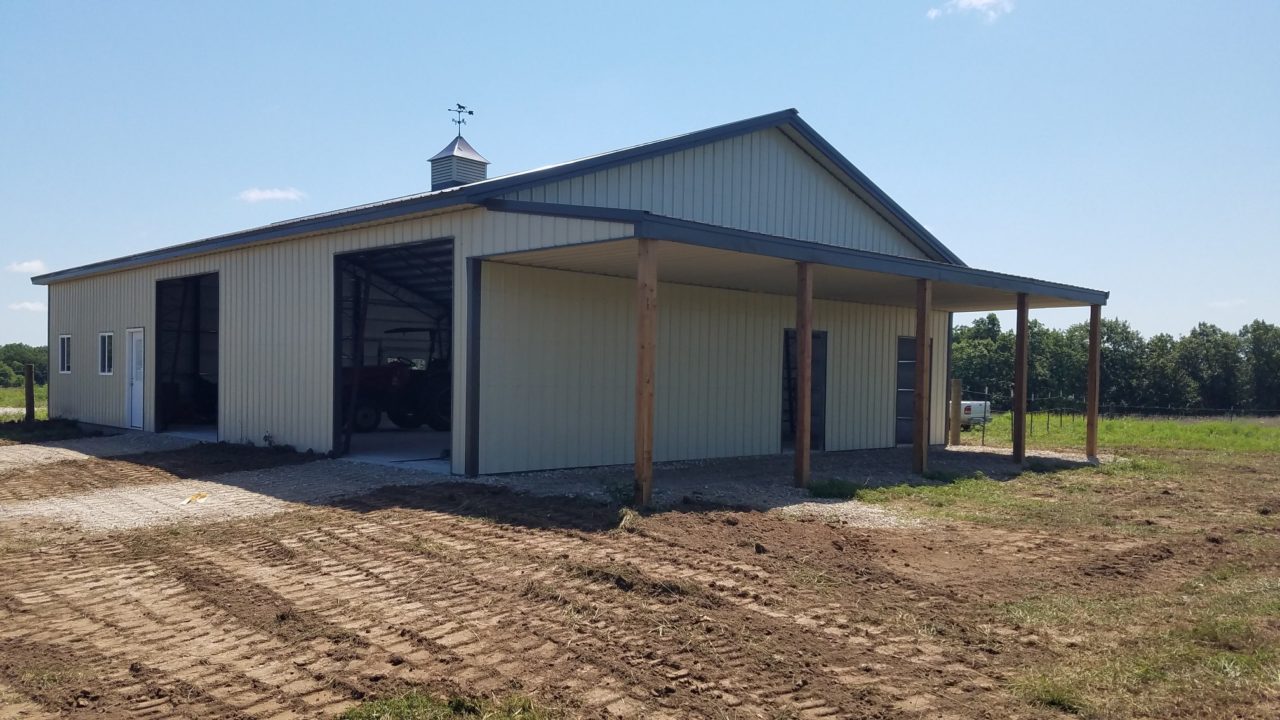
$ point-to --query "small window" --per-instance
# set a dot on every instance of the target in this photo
(104, 354)
(64, 353)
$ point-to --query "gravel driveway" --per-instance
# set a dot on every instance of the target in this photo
(14, 456)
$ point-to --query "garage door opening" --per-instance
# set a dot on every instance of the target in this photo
(394, 355)
(186, 372)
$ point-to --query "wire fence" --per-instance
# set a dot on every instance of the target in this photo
(1044, 412)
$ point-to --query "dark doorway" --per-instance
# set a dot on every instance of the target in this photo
(818, 416)
(905, 415)
(187, 353)
(393, 352)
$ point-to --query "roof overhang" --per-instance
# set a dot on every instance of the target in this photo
(707, 255)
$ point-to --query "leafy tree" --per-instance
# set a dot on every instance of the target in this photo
(987, 327)
(1123, 350)
(1212, 358)
(1165, 382)
(8, 378)
(1261, 346)
(1208, 368)
(16, 355)
(982, 357)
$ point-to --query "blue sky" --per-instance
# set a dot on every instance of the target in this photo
(1130, 146)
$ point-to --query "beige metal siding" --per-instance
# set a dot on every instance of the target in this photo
(762, 182)
(275, 324)
(558, 362)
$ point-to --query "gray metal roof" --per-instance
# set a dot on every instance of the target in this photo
(478, 192)
(459, 148)
(658, 227)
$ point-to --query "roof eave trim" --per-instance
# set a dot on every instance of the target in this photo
(303, 226)
(660, 227)
(710, 236)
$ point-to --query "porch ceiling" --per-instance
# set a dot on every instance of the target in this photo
(689, 264)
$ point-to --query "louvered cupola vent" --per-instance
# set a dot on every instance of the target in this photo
(457, 164)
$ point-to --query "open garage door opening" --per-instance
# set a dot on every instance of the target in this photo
(393, 322)
(186, 373)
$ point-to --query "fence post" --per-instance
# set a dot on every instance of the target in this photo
(953, 414)
(29, 381)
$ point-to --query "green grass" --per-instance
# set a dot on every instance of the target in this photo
(420, 706)
(1238, 435)
(44, 430)
(977, 498)
(17, 397)
(1215, 636)
(1180, 649)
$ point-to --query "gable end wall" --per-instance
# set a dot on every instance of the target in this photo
(760, 182)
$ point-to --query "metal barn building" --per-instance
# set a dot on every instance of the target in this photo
(637, 305)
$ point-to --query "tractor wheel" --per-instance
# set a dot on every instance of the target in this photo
(439, 415)
(367, 418)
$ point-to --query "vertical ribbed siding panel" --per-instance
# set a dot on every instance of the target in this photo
(551, 365)
(479, 233)
(558, 369)
(275, 323)
(861, 373)
(762, 182)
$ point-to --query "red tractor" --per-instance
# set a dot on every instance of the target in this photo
(411, 397)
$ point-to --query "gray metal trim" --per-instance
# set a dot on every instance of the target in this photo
(660, 227)
(471, 447)
(278, 231)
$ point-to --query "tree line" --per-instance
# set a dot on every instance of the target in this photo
(13, 358)
(1209, 368)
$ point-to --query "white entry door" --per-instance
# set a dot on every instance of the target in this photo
(136, 364)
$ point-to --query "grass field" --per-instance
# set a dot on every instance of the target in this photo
(1242, 434)
(16, 396)
(1204, 493)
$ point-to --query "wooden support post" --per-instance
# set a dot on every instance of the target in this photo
(920, 438)
(1020, 383)
(1094, 391)
(646, 357)
(29, 382)
(953, 426)
(804, 371)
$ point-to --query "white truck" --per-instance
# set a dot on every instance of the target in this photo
(974, 412)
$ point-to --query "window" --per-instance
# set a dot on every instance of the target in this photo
(64, 353)
(104, 354)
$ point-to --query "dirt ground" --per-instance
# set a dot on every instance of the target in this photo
(697, 612)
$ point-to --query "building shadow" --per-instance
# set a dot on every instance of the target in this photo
(246, 478)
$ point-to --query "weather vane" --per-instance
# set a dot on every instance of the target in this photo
(460, 121)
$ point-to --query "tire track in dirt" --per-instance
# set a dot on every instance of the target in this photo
(141, 616)
(370, 539)
(914, 655)
(435, 596)
(71, 679)
(450, 614)
(539, 545)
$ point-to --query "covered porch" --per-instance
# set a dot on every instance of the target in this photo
(681, 252)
